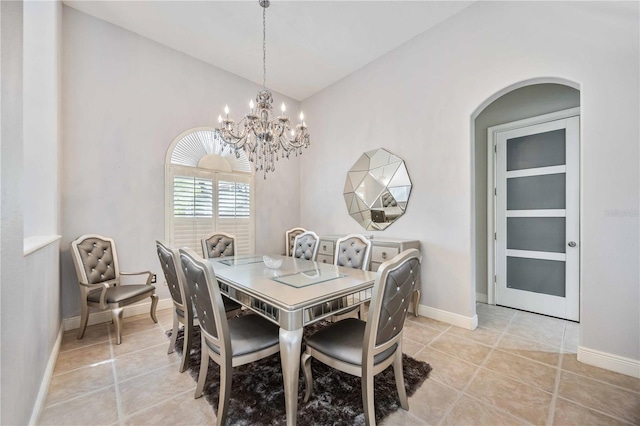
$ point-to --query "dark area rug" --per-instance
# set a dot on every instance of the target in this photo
(257, 392)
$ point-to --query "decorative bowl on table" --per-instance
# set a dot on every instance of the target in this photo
(272, 263)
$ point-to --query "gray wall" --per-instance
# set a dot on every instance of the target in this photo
(125, 99)
(15, 409)
(521, 103)
(29, 284)
(418, 101)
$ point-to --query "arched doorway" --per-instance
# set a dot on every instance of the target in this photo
(521, 101)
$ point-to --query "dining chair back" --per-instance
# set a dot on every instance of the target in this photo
(306, 246)
(218, 244)
(352, 251)
(182, 306)
(290, 237)
(245, 339)
(365, 349)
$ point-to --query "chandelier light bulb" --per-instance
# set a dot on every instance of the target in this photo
(301, 116)
(226, 109)
(283, 108)
(219, 118)
(251, 105)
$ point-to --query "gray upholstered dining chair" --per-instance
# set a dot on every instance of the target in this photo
(98, 271)
(221, 244)
(290, 237)
(218, 244)
(229, 344)
(352, 251)
(306, 245)
(365, 349)
(182, 306)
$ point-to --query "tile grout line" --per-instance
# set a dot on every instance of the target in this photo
(115, 381)
(475, 374)
(554, 396)
(157, 403)
(596, 410)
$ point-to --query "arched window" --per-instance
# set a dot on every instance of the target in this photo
(207, 189)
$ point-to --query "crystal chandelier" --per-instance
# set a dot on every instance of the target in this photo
(261, 136)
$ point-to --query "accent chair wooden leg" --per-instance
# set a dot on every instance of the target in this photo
(308, 377)
(154, 305)
(174, 332)
(116, 317)
(416, 302)
(84, 318)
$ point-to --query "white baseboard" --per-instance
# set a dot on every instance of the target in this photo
(46, 379)
(619, 364)
(482, 298)
(470, 323)
(105, 316)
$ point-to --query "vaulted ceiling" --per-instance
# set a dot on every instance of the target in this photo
(310, 44)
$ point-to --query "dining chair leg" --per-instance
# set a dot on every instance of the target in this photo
(397, 371)
(186, 345)
(204, 367)
(154, 305)
(367, 399)
(225, 392)
(416, 302)
(308, 378)
(116, 317)
(174, 332)
(84, 317)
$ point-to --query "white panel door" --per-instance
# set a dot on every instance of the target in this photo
(537, 218)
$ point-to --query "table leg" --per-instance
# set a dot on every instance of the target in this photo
(290, 346)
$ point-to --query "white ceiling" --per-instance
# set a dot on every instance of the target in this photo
(310, 44)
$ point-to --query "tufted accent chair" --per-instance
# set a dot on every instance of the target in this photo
(96, 262)
(365, 349)
(229, 344)
(218, 244)
(290, 237)
(306, 246)
(352, 251)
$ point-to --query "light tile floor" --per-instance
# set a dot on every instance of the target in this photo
(515, 368)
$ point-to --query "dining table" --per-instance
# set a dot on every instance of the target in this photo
(297, 293)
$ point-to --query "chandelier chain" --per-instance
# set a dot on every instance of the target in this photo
(264, 47)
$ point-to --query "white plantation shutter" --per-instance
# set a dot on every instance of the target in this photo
(192, 211)
(234, 213)
(202, 201)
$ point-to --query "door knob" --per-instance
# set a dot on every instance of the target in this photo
(572, 243)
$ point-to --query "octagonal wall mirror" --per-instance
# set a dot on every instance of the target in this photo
(377, 189)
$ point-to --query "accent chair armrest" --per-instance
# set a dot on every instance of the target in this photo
(103, 290)
(149, 273)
